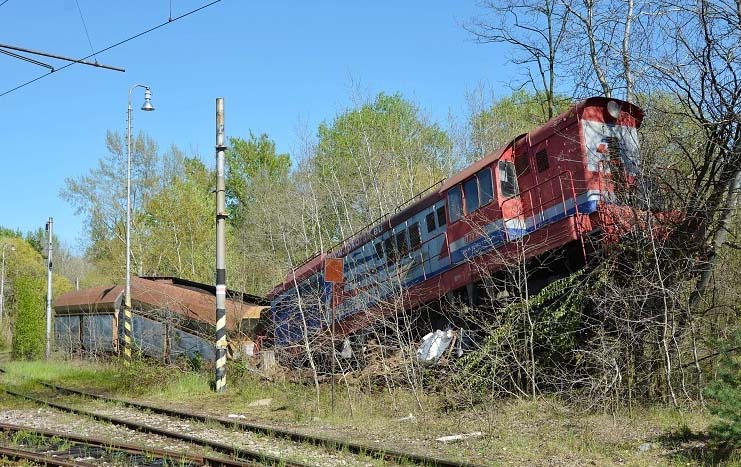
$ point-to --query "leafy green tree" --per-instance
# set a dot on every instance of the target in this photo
(257, 182)
(372, 158)
(100, 196)
(247, 162)
(178, 226)
(509, 117)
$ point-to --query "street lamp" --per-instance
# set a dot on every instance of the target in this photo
(2, 282)
(147, 107)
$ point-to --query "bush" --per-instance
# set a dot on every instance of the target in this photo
(28, 332)
(725, 395)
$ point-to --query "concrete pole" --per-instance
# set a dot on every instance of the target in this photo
(50, 232)
(220, 251)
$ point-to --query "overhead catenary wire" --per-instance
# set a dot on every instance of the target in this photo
(111, 46)
(87, 34)
(4, 2)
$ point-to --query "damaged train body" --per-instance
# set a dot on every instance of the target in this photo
(553, 189)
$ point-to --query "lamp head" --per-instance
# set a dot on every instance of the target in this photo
(148, 107)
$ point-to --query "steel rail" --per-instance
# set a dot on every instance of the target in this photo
(128, 447)
(18, 455)
(340, 445)
(236, 452)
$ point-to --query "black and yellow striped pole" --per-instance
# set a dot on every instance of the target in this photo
(220, 251)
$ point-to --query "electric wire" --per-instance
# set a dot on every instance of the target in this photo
(110, 46)
(84, 26)
(4, 2)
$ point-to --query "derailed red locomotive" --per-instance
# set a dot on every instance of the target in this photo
(548, 190)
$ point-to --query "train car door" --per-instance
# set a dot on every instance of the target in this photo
(513, 211)
(526, 179)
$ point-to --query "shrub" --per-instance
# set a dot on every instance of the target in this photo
(28, 332)
(725, 395)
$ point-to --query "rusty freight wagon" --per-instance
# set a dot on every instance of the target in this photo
(172, 318)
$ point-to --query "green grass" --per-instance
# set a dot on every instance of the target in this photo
(517, 432)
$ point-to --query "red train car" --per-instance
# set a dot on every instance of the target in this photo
(546, 190)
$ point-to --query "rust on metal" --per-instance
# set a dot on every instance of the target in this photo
(189, 299)
(334, 270)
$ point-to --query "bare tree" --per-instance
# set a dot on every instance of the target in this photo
(536, 30)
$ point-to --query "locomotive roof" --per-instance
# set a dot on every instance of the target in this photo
(593, 108)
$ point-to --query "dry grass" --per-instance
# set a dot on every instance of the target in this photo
(516, 432)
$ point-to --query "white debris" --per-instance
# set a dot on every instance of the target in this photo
(260, 403)
(454, 438)
(234, 415)
(434, 345)
(408, 418)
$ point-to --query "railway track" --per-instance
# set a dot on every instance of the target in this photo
(63, 449)
(239, 453)
(331, 443)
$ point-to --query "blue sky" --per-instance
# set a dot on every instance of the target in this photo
(282, 68)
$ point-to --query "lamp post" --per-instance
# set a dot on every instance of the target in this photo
(2, 282)
(147, 107)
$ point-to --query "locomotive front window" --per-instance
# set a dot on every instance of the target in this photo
(486, 189)
(455, 203)
(471, 189)
(507, 179)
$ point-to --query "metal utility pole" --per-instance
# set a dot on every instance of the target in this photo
(128, 318)
(49, 231)
(220, 250)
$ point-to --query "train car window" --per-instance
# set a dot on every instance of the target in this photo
(388, 245)
(379, 250)
(401, 243)
(441, 216)
(541, 161)
(507, 179)
(455, 203)
(486, 188)
(414, 239)
(430, 220)
(522, 164)
(471, 189)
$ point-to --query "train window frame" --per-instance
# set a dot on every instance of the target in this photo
(402, 247)
(415, 237)
(379, 249)
(390, 247)
(522, 164)
(490, 185)
(430, 221)
(441, 219)
(471, 190)
(541, 161)
(455, 204)
(508, 175)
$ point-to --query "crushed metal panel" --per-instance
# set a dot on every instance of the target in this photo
(67, 333)
(184, 344)
(148, 336)
(98, 333)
